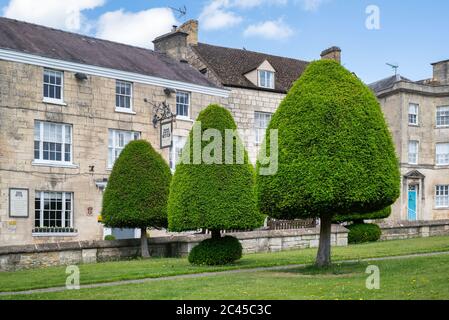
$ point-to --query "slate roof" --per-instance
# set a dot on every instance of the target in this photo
(52, 43)
(386, 83)
(230, 65)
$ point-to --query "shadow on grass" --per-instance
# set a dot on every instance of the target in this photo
(334, 269)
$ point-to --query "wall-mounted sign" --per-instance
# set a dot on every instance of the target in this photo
(18, 203)
(166, 134)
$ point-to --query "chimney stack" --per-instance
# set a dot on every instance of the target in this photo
(441, 72)
(333, 53)
(191, 28)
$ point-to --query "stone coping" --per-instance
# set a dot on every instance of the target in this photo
(411, 224)
(99, 244)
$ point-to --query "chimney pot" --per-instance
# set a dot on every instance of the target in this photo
(333, 53)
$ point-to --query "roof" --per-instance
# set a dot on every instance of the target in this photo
(387, 83)
(56, 44)
(230, 65)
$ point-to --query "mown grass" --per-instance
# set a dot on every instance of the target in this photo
(161, 267)
(402, 279)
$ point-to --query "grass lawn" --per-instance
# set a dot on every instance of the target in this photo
(412, 278)
(159, 267)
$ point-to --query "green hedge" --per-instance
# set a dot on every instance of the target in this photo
(213, 196)
(219, 251)
(335, 151)
(363, 232)
(109, 237)
(381, 214)
(137, 191)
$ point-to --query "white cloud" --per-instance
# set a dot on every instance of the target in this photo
(312, 5)
(66, 15)
(135, 28)
(272, 29)
(216, 15)
(256, 3)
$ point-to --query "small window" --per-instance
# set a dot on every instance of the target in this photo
(443, 116)
(413, 114)
(176, 151)
(442, 154)
(118, 140)
(413, 148)
(53, 85)
(123, 95)
(266, 79)
(183, 104)
(442, 196)
(53, 209)
(52, 142)
(261, 122)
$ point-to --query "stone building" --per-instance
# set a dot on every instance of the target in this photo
(418, 116)
(257, 81)
(68, 105)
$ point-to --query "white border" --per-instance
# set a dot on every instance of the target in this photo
(21, 57)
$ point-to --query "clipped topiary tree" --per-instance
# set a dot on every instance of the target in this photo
(213, 185)
(335, 153)
(359, 231)
(137, 191)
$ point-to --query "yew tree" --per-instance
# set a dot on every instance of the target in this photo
(335, 153)
(137, 192)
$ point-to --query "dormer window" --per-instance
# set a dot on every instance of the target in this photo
(266, 79)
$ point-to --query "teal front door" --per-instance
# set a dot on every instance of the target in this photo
(412, 203)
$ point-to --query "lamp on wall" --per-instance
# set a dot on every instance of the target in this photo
(169, 91)
(80, 76)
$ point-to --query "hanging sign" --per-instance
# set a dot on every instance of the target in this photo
(166, 134)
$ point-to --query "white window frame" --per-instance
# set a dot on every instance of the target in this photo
(442, 159)
(130, 96)
(445, 111)
(41, 209)
(258, 130)
(179, 143)
(441, 196)
(41, 159)
(416, 114)
(416, 155)
(269, 84)
(183, 104)
(49, 99)
(112, 148)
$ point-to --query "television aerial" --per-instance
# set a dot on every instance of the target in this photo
(394, 66)
(181, 11)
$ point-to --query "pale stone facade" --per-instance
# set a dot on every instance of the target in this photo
(90, 110)
(424, 176)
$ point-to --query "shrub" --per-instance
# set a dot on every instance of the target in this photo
(109, 237)
(363, 232)
(336, 155)
(381, 214)
(213, 196)
(216, 251)
(137, 191)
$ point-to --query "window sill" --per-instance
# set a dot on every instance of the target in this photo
(56, 102)
(442, 127)
(414, 125)
(54, 164)
(54, 234)
(124, 110)
(181, 118)
(441, 208)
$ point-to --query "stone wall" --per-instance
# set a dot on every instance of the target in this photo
(65, 253)
(415, 229)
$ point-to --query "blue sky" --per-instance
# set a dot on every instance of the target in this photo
(413, 33)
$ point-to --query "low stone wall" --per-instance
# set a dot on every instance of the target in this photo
(413, 229)
(66, 253)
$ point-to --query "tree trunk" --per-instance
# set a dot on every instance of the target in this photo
(144, 243)
(215, 234)
(323, 258)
